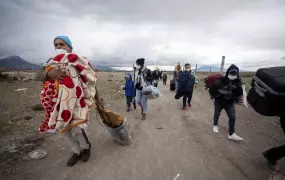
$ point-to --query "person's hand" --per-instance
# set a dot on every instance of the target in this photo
(56, 74)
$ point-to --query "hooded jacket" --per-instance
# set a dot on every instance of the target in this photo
(129, 86)
(156, 75)
(147, 76)
(186, 82)
(226, 91)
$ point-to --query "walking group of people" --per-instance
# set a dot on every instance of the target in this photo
(68, 76)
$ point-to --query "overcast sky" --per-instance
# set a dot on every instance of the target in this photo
(116, 32)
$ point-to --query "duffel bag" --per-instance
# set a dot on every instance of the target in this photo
(267, 93)
(211, 79)
(172, 85)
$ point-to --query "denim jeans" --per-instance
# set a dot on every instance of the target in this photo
(141, 100)
(176, 86)
(231, 112)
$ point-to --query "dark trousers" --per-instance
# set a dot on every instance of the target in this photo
(130, 100)
(276, 153)
(187, 96)
(164, 81)
(231, 112)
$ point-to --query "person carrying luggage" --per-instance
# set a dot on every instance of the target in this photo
(267, 97)
(226, 91)
(176, 75)
(186, 83)
(274, 154)
(58, 79)
(142, 75)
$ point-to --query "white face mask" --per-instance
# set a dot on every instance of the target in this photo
(138, 66)
(60, 51)
(232, 77)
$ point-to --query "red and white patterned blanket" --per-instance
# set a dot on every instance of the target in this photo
(68, 103)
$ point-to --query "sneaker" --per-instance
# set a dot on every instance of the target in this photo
(143, 116)
(271, 162)
(73, 159)
(216, 129)
(235, 137)
(189, 105)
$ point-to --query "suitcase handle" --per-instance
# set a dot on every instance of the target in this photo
(256, 86)
(266, 88)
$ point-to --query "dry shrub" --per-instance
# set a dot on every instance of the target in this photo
(38, 107)
(14, 78)
(4, 76)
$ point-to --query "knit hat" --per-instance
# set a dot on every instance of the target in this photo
(65, 39)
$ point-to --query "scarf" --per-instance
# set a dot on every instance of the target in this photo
(68, 103)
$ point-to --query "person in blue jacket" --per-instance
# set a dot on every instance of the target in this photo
(186, 83)
(129, 91)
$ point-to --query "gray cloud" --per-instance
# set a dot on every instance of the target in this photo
(163, 31)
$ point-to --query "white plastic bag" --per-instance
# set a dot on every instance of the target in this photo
(151, 92)
(243, 100)
(244, 96)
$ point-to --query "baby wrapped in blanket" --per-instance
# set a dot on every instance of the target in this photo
(68, 103)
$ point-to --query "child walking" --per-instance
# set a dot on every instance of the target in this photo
(129, 91)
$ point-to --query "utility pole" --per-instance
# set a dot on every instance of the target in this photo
(222, 65)
(210, 70)
(196, 69)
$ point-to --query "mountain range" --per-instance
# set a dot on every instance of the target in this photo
(17, 63)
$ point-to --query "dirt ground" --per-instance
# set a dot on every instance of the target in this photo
(169, 142)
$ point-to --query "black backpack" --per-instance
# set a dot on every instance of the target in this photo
(267, 92)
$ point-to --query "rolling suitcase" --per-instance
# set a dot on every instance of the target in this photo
(267, 93)
(172, 85)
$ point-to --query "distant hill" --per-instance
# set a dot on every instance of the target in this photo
(17, 63)
(206, 68)
(101, 68)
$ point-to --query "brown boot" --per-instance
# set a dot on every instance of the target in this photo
(143, 116)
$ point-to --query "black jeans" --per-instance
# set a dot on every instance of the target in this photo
(164, 81)
(187, 96)
(276, 153)
(129, 100)
(231, 112)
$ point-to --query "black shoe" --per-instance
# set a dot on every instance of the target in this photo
(271, 162)
(73, 159)
(85, 154)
